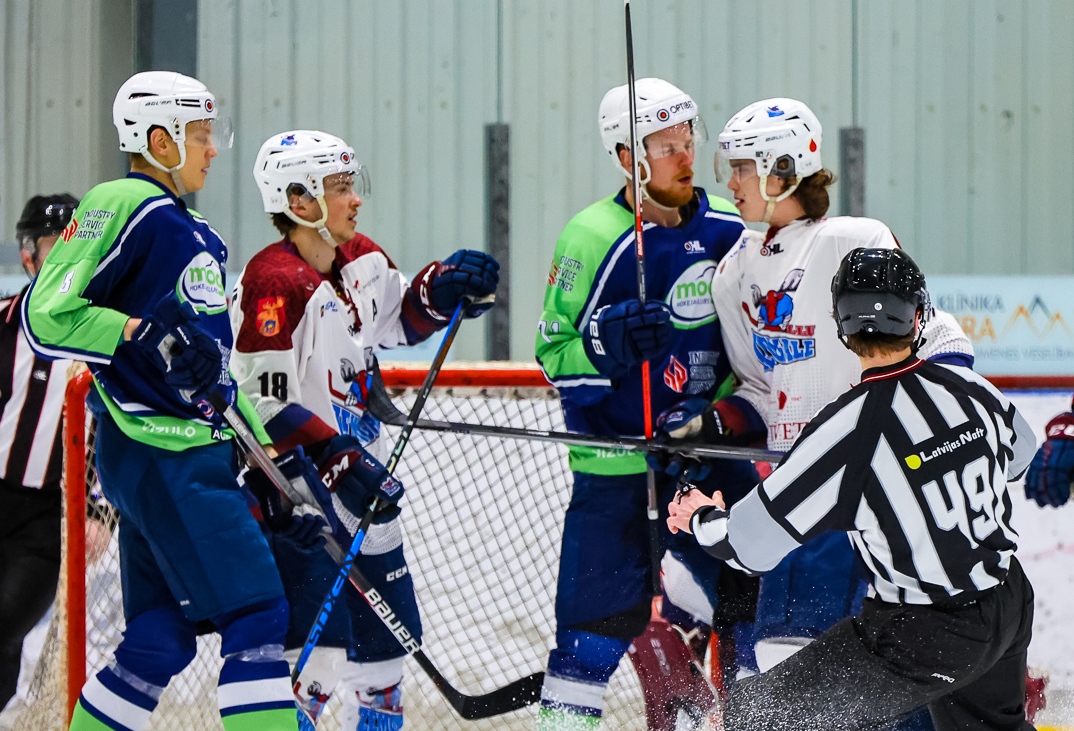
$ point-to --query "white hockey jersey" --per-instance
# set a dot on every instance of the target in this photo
(773, 297)
(303, 338)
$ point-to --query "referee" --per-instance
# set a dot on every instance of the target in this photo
(31, 402)
(913, 465)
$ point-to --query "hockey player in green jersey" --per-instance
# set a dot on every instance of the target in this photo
(592, 338)
(136, 288)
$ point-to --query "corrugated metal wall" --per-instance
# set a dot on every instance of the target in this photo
(968, 107)
(60, 62)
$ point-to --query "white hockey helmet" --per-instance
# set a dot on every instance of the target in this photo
(304, 159)
(781, 136)
(169, 100)
(659, 105)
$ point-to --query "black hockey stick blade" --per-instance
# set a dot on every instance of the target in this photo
(519, 694)
(380, 405)
(511, 697)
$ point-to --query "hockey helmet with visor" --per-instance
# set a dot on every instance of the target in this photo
(781, 137)
(660, 105)
(171, 101)
(309, 163)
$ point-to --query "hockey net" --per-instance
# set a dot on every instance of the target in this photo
(482, 519)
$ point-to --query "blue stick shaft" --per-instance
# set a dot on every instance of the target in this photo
(393, 461)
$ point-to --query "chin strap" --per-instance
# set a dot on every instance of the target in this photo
(180, 189)
(319, 224)
(771, 208)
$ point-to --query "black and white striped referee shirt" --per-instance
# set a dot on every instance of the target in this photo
(913, 463)
(31, 405)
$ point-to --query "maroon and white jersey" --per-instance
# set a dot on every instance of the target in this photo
(774, 301)
(304, 340)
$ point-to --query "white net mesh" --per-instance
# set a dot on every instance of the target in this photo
(482, 518)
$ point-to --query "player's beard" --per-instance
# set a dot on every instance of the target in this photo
(674, 196)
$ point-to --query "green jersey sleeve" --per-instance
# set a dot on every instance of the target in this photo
(580, 254)
(59, 320)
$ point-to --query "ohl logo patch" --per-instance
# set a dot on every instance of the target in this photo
(270, 316)
(675, 375)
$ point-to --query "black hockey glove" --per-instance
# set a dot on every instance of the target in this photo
(465, 273)
(356, 478)
(620, 336)
(175, 343)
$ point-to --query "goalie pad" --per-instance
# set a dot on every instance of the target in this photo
(677, 693)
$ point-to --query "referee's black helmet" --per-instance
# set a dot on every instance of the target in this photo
(44, 215)
(879, 291)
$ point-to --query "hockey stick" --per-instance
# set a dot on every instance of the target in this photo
(514, 696)
(381, 406)
(325, 611)
(639, 250)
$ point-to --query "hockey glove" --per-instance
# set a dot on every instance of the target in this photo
(1051, 473)
(276, 508)
(618, 337)
(172, 339)
(305, 531)
(465, 273)
(356, 478)
(695, 421)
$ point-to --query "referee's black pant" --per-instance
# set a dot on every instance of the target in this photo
(965, 660)
(29, 568)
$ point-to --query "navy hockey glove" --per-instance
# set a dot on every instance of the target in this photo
(695, 421)
(620, 336)
(276, 509)
(1051, 473)
(305, 531)
(173, 340)
(465, 273)
(356, 477)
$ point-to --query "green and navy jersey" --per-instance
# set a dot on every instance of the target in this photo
(130, 243)
(594, 265)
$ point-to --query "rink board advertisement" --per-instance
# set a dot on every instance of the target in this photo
(1019, 325)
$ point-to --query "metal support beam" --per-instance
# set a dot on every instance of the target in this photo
(852, 171)
(498, 232)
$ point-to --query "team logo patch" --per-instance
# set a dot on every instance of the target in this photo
(774, 111)
(202, 285)
(288, 141)
(776, 339)
(270, 316)
(69, 231)
(690, 297)
(675, 375)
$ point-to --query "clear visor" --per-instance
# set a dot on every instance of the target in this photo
(726, 169)
(217, 133)
(677, 139)
(343, 184)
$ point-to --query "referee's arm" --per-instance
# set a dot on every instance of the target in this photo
(805, 496)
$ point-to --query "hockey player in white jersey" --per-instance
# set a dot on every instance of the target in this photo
(772, 295)
(308, 311)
